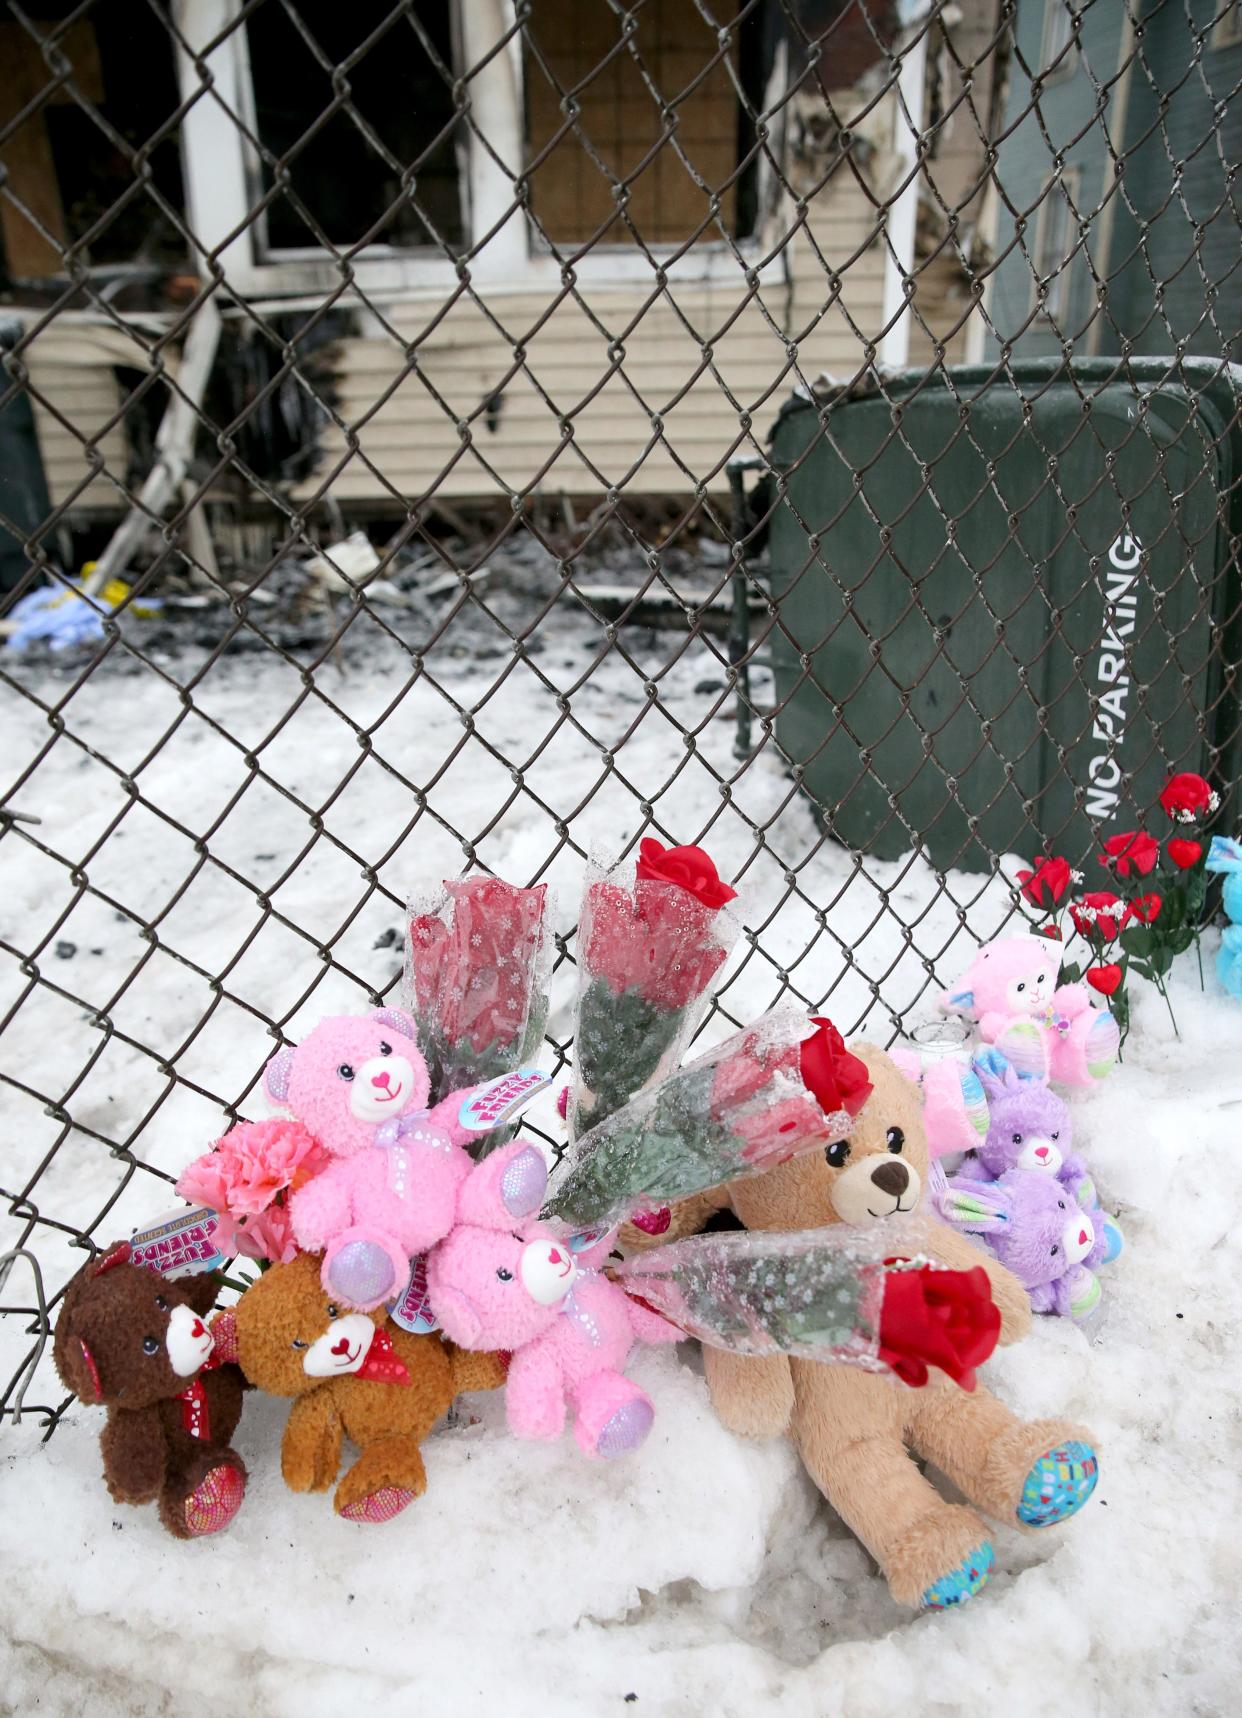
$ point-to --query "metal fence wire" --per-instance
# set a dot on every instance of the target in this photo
(392, 398)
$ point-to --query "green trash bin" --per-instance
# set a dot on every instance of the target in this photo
(1002, 627)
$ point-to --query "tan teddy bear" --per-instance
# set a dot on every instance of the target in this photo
(856, 1431)
(351, 1374)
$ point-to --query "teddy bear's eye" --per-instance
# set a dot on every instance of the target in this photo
(333, 1309)
(837, 1154)
(345, 1071)
(1060, 1204)
(298, 1343)
(1017, 1139)
(385, 1049)
(1056, 1136)
(1055, 1251)
(161, 1303)
(150, 1345)
(896, 1139)
(504, 1275)
(1021, 988)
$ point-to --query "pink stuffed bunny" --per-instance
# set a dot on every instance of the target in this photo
(569, 1328)
(1048, 1031)
(359, 1085)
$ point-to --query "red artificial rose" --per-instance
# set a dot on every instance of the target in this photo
(1053, 931)
(688, 867)
(933, 1317)
(1185, 853)
(1105, 979)
(472, 976)
(1133, 851)
(1098, 914)
(1048, 883)
(1145, 908)
(658, 941)
(1187, 793)
(837, 1079)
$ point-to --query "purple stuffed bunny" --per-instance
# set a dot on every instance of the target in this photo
(1036, 1229)
(1029, 1127)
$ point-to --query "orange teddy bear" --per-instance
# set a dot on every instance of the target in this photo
(351, 1374)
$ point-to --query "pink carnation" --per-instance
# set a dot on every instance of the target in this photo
(269, 1235)
(245, 1172)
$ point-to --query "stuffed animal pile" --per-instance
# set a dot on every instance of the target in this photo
(411, 1251)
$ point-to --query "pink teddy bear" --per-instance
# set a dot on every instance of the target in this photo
(359, 1084)
(569, 1328)
(1047, 1031)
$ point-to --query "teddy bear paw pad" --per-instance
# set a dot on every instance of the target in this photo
(1059, 1484)
(963, 1582)
(626, 1429)
(1114, 1241)
(361, 1273)
(1103, 1045)
(213, 1503)
(378, 1506)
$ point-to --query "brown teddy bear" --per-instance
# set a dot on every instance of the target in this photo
(135, 1342)
(855, 1430)
(351, 1374)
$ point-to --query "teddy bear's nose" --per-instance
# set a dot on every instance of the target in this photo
(1041, 1151)
(892, 1178)
(341, 1347)
(198, 1329)
(380, 1080)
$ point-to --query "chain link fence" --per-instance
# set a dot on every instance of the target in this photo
(395, 481)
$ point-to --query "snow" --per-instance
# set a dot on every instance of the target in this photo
(705, 1575)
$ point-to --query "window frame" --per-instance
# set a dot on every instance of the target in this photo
(1067, 184)
(1227, 30)
(223, 184)
(1057, 12)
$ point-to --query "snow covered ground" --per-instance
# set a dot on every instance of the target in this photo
(705, 1576)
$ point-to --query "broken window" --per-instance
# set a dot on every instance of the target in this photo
(70, 161)
(621, 81)
(354, 102)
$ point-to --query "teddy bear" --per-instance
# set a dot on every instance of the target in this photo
(1048, 1030)
(857, 1431)
(1038, 1230)
(569, 1329)
(135, 1342)
(351, 1374)
(360, 1085)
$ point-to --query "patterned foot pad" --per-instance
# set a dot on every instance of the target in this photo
(963, 1582)
(1022, 1043)
(378, 1506)
(1115, 1240)
(1085, 1294)
(216, 1501)
(361, 1273)
(1058, 1485)
(626, 1430)
(1103, 1045)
